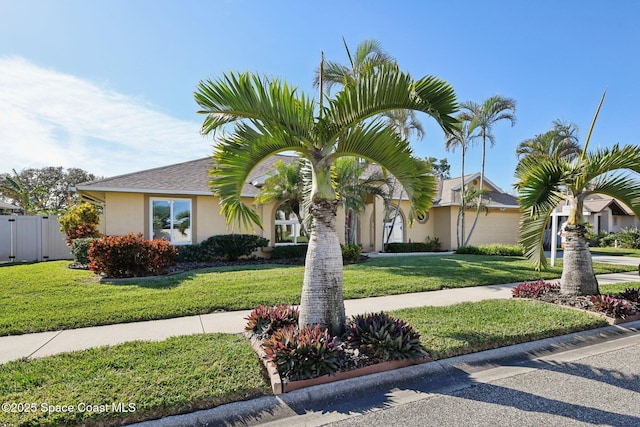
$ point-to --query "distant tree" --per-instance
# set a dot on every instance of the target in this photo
(44, 190)
(441, 169)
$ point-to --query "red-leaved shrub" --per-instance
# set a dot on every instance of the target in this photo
(130, 256)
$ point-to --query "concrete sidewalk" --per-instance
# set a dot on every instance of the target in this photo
(49, 343)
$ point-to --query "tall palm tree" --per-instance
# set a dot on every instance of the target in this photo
(270, 117)
(543, 183)
(460, 136)
(483, 117)
(561, 141)
(405, 123)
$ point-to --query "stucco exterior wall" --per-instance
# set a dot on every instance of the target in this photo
(124, 213)
(497, 227)
(442, 223)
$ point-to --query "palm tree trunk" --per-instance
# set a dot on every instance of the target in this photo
(578, 277)
(322, 299)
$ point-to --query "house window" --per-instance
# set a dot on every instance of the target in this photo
(287, 227)
(171, 220)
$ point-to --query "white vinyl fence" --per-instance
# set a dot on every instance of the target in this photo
(32, 238)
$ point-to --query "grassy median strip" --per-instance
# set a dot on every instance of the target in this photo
(154, 379)
(49, 296)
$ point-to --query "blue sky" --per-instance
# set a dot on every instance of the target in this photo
(108, 85)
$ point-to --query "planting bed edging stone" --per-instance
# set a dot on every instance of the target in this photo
(278, 386)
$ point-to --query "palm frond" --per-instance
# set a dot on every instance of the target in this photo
(540, 185)
(391, 89)
(235, 157)
(380, 144)
(246, 96)
(531, 234)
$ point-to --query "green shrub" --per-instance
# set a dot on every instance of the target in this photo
(265, 320)
(192, 253)
(289, 251)
(80, 221)
(385, 337)
(303, 353)
(431, 245)
(80, 249)
(351, 252)
(495, 249)
(232, 246)
(628, 238)
(130, 256)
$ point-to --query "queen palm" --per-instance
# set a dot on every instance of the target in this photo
(270, 117)
(545, 182)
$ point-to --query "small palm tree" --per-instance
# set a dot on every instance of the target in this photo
(24, 196)
(285, 185)
(544, 182)
(353, 193)
(270, 117)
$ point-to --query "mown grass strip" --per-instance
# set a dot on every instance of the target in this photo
(49, 296)
(184, 374)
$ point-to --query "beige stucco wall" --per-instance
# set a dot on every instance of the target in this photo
(497, 227)
(442, 224)
(124, 213)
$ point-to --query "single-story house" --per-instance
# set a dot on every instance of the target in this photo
(8, 208)
(175, 202)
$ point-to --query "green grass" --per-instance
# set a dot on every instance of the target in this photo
(178, 375)
(49, 296)
(616, 251)
(618, 287)
(184, 374)
(469, 327)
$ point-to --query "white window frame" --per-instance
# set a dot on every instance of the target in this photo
(171, 201)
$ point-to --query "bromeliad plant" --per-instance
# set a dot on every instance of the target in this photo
(384, 337)
(534, 289)
(265, 320)
(304, 353)
(612, 306)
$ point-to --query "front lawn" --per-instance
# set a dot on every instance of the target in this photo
(184, 374)
(49, 296)
(616, 251)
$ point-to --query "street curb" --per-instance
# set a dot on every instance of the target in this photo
(272, 408)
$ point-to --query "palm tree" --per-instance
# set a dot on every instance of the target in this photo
(21, 194)
(405, 123)
(544, 182)
(270, 117)
(353, 194)
(483, 117)
(285, 185)
(368, 57)
(460, 136)
(561, 141)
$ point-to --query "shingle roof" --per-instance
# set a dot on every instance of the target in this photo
(448, 193)
(192, 178)
(597, 203)
(181, 178)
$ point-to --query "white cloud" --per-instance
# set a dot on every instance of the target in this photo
(52, 119)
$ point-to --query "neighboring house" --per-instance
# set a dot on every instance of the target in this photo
(605, 213)
(8, 208)
(175, 202)
(500, 225)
